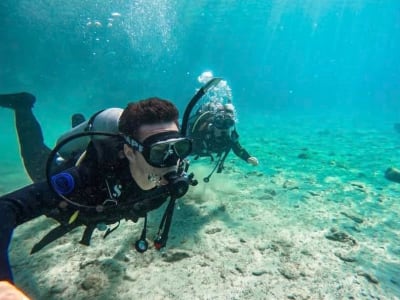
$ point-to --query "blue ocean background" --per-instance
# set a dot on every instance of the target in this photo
(299, 71)
(330, 55)
(293, 56)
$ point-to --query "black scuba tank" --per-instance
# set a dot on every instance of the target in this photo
(103, 121)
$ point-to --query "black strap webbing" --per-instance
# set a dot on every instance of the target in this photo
(53, 235)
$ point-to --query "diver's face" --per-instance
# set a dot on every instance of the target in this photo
(145, 175)
(222, 132)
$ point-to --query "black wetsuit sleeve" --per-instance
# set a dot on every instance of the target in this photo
(237, 148)
(19, 207)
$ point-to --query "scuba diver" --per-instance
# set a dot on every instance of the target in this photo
(212, 127)
(119, 164)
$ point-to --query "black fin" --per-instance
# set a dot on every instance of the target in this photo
(17, 101)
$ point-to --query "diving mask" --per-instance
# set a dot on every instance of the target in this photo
(162, 149)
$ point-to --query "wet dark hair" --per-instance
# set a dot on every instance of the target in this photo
(146, 112)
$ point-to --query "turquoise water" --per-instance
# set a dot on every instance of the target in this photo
(316, 77)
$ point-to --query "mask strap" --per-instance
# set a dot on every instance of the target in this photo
(133, 143)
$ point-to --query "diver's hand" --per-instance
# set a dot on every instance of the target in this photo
(10, 292)
(252, 160)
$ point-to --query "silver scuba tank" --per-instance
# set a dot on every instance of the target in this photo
(105, 121)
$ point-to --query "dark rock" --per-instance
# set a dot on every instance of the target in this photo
(239, 269)
(259, 272)
(270, 192)
(288, 273)
(58, 288)
(396, 127)
(291, 185)
(303, 156)
(232, 249)
(340, 236)
(369, 277)
(92, 282)
(358, 185)
(176, 256)
(313, 193)
(213, 230)
(392, 174)
(354, 218)
(346, 258)
(113, 268)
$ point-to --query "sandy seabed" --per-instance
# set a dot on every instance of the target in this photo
(316, 220)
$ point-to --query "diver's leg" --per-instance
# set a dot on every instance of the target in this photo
(6, 230)
(33, 150)
(17, 208)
